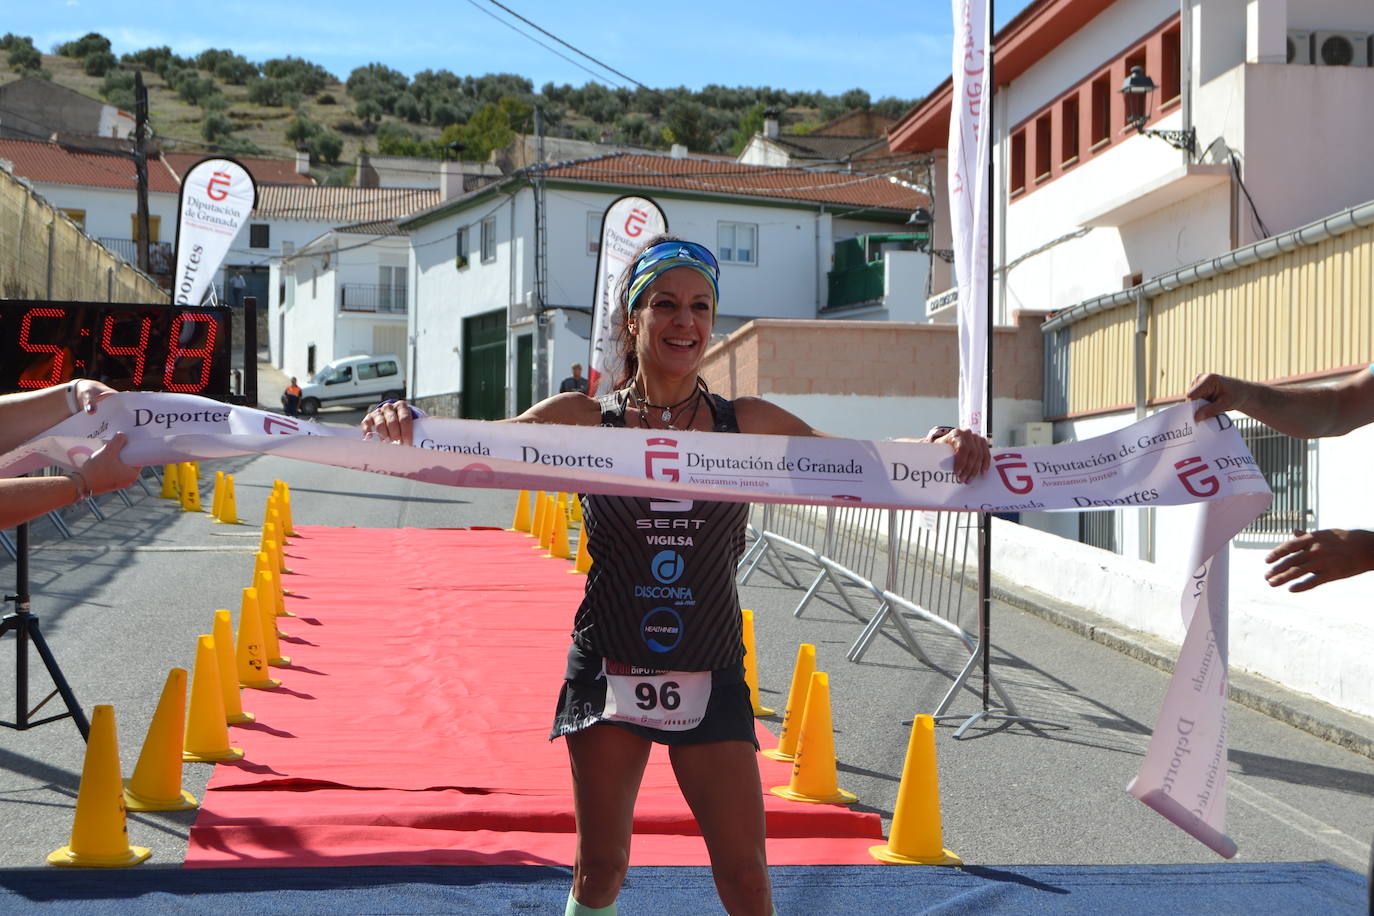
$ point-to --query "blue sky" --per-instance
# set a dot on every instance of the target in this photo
(885, 47)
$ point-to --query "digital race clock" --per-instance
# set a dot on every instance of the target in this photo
(127, 346)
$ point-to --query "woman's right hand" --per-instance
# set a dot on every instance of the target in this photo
(391, 421)
(105, 470)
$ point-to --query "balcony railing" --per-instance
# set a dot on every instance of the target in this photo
(372, 297)
(161, 257)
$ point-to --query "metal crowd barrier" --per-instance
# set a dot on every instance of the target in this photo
(884, 565)
(90, 503)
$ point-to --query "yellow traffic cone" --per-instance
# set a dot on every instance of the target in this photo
(795, 713)
(546, 528)
(207, 735)
(751, 664)
(269, 545)
(229, 670)
(218, 498)
(270, 598)
(813, 772)
(278, 530)
(521, 521)
(100, 833)
(583, 564)
(284, 505)
(270, 646)
(171, 481)
(228, 505)
(537, 507)
(575, 508)
(190, 488)
(915, 838)
(250, 654)
(156, 783)
(558, 544)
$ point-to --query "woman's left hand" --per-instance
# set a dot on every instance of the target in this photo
(972, 453)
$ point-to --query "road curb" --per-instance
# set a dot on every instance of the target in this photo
(1309, 714)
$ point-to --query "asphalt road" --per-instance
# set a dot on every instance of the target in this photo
(122, 602)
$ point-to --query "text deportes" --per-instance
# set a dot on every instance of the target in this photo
(145, 417)
(531, 455)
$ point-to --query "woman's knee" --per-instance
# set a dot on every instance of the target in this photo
(744, 880)
(600, 874)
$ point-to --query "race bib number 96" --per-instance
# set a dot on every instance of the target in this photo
(673, 701)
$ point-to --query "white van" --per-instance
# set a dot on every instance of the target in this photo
(354, 381)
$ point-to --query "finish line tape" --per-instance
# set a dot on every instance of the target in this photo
(1167, 459)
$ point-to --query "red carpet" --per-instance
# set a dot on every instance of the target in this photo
(412, 725)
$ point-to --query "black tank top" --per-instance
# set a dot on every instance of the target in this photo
(661, 591)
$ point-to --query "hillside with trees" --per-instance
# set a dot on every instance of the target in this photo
(219, 101)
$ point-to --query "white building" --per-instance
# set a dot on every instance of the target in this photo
(306, 329)
(98, 190)
(347, 296)
(1147, 236)
(475, 343)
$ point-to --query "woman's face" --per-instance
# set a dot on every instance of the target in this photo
(673, 325)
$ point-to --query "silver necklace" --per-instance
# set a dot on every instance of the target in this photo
(667, 415)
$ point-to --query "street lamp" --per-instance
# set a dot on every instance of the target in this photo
(1137, 89)
(921, 222)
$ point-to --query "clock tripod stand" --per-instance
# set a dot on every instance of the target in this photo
(25, 628)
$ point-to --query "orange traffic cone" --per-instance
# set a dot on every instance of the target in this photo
(219, 495)
(795, 713)
(171, 481)
(583, 564)
(100, 832)
(537, 507)
(229, 670)
(228, 505)
(156, 783)
(521, 521)
(751, 665)
(190, 488)
(270, 645)
(813, 772)
(575, 508)
(207, 735)
(915, 838)
(250, 654)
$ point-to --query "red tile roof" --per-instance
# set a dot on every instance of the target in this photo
(735, 180)
(264, 171)
(40, 161)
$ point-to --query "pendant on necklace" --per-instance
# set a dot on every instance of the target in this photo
(667, 415)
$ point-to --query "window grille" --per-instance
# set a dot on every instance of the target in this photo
(1287, 465)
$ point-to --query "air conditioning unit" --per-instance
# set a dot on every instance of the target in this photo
(1033, 434)
(1340, 49)
(1299, 46)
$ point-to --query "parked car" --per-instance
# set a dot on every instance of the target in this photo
(354, 381)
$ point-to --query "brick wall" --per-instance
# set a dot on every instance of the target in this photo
(772, 356)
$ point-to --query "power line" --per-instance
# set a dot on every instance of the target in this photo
(535, 40)
(607, 67)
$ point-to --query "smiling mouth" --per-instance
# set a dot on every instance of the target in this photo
(679, 344)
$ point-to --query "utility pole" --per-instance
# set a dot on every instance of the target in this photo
(141, 165)
(541, 318)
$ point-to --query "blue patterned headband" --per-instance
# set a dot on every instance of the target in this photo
(653, 262)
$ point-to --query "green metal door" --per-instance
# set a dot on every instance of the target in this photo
(524, 372)
(484, 366)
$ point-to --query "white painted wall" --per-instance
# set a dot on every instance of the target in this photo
(873, 417)
(109, 212)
